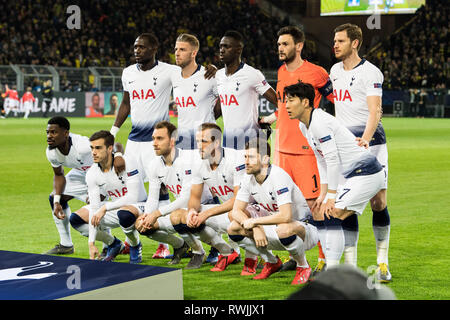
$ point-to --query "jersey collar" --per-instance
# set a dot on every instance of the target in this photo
(139, 69)
(360, 63)
(177, 153)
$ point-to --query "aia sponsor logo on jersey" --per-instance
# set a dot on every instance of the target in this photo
(220, 190)
(269, 207)
(142, 95)
(118, 193)
(228, 100)
(342, 95)
(185, 103)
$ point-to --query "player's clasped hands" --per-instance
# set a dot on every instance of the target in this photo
(192, 218)
(327, 209)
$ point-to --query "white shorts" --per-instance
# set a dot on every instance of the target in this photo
(219, 222)
(357, 191)
(76, 185)
(380, 151)
(311, 237)
(143, 152)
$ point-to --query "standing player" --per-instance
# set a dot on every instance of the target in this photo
(220, 171)
(239, 86)
(337, 154)
(126, 193)
(28, 100)
(66, 149)
(172, 168)
(357, 85)
(194, 95)
(292, 152)
(278, 223)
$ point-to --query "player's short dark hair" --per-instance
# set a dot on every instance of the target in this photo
(105, 135)
(353, 32)
(216, 130)
(171, 128)
(61, 121)
(151, 39)
(189, 38)
(297, 34)
(236, 35)
(261, 145)
(302, 90)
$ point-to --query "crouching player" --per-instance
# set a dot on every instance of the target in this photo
(127, 196)
(172, 168)
(337, 153)
(278, 220)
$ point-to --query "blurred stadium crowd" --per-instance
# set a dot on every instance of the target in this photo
(413, 58)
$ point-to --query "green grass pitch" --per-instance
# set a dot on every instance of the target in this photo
(419, 176)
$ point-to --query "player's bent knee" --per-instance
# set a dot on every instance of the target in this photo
(76, 221)
(234, 228)
(126, 218)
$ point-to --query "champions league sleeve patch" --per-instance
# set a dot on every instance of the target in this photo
(241, 167)
(186, 172)
(325, 139)
(377, 85)
(281, 191)
(132, 173)
(264, 82)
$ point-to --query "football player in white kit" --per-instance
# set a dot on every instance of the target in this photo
(239, 86)
(278, 219)
(70, 150)
(172, 168)
(125, 192)
(220, 170)
(194, 95)
(357, 85)
(337, 153)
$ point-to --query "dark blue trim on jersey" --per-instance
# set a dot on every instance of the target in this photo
(269, 170)
(368, 167)
(198, 69)
(360, 63)
(379, 136)
(177, 153)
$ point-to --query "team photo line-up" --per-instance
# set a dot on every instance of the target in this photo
(226, 191)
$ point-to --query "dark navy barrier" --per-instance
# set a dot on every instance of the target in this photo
(25, 276)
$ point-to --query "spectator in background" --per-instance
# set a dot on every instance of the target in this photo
(423, 99)
(439, 100)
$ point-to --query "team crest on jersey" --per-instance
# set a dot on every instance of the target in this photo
(195, 87)
(154, 81)
(353, 79)
(281, 191)
(237, 86)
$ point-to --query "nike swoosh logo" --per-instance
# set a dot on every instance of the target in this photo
(101, 185)
(159, 177)
(204, 179)
(175, 87)
(131, 81)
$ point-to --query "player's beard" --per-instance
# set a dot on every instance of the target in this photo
(288, 57)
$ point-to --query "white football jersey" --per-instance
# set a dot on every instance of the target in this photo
(79, 156)
(177, 179)
(336, 149)
(239, 98)
(278, 189)
(351, 89)
(150, 93)
(195, 98)
(221, 181)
